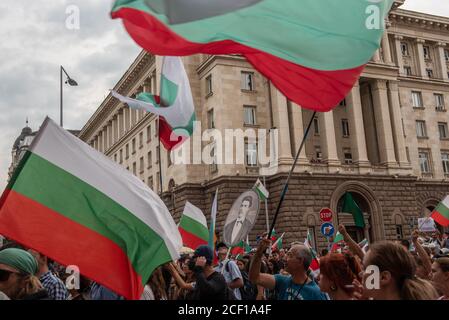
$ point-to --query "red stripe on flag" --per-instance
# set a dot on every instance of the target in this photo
(190, 240)
(440, 219)
(312, 89)
(69, 243)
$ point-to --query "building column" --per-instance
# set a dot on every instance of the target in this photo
(376, 57)
(386, 49)
(397, 41)
(328, 142)
(421, 62)
(383, 123)
(298, 131)
(442, 61)
(357, 129)
(396, 120)
(120, 123)
(280, 119)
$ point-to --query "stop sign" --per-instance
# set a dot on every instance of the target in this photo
(326, 214)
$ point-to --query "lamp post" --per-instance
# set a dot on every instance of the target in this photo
(71, 83)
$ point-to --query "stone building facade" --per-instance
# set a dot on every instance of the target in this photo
(387, 143)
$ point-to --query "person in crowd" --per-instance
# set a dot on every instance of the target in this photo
(229, 270)
(83, 292)
(446, 240)
(210, 284)
(397, 278)
(248, 291)
(155, 289)
(337, 273)
(324, 252)
(185, 282)
(99, 292)
(278, 263)
(296, 286)
(352, 245)
(55, 287)
(18, 279)
(440, 276)
(422, 259)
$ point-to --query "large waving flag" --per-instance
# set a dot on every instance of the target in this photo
(174, 104)
(441, 213)
(312, 50)
(76, 206)
(193, 227)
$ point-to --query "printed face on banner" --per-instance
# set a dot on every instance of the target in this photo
(241, 218)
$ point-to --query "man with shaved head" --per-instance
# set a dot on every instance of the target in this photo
(297, 285)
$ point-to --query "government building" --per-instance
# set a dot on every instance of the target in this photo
(387, 143)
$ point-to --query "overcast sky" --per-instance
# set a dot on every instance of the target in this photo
(36, 41)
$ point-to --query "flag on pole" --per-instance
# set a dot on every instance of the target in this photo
(193, 227)
(277, 245)
(350, 206)
(338, 239)
(174, 105)
(261, 190)
(76, 206)
(241, 248)
(322, 51)
(213, 218)
(441, 213)
(315, 265)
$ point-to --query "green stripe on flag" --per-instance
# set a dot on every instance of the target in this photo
(442, 210)
(82, 203)
(192, 226)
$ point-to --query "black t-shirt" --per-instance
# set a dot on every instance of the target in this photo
(213, 287)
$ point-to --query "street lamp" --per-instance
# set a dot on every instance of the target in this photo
(71, 82)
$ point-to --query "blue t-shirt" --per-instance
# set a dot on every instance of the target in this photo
(230, 272)
(286, 289)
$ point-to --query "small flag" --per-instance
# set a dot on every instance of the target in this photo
(261, 190)
(350, 206)
(315, 265)
(193, 227)
(241, 248)
(441, 213)
(277, 245)
(338, 239)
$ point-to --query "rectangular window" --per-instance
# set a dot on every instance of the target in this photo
(399, 233)
(403, 127)
(429, 73)
(446, 55)
(247, 82)
(141, 165)
(442, 129)
(134, 168)
(251, 154)
(210, 119)
(345, 127)
(157, 155)
(408, 154)
(343, 103)
(316, 126)
(408, 70)
(115, 157)
(214, 166)
(156, 128)
(424, 162)
(421, 131)
(127, 151)
(348, 156)
(158, 181)
(150, 160)
(318, 153)
(417, 99)
(439, 101)
(149, 133)
(426, 52)
(249, 115)
(404, 48)
(121, 155)
(150, 182)
(445, 160)
(134, 145)
(209, 85)
(141, 140)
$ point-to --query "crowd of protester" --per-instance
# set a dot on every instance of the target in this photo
(388, 270)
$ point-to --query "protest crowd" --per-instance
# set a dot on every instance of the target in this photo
(408, 270)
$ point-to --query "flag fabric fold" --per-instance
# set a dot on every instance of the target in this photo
(261, 190)
(76, 206)
(323, 49)
(350, 206)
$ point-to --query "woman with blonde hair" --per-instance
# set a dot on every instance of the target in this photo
(396, 278)
(440, 276)
(155, 287)
(17, 275)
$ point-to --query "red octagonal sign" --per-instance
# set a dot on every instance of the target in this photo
(326, 214)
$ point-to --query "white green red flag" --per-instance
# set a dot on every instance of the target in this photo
(338, 240)
(277, 245)
(241, 248)
(441, 213)
(193, 227)
(261, 190)
(323, 49)
(76, 206)
(315, 265)
(174, 104)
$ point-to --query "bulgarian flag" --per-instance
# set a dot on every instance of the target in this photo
(193, 227)
(241, 248)
(338, 239)
(312, 51)
(174, 105)
(76, 206)
(261, 190)
(441, 213)
(278, 244)
(315, 265)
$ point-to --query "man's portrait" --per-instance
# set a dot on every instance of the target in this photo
(241, 218)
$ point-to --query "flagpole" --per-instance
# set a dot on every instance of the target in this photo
(284, 191)
(160, 158)
(266, 208)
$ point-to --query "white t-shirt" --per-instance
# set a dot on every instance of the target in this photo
(147, 293)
